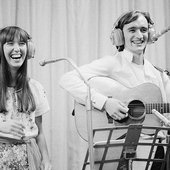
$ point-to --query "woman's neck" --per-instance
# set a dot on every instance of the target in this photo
(13, 78)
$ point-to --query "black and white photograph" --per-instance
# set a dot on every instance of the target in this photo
(84, 85)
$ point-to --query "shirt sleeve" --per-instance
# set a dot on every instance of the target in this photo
(42, 105)
(73, 84)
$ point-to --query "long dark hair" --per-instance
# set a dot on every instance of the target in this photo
(130, 17)
(26, 102)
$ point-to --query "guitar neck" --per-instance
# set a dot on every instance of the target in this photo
(160, 107)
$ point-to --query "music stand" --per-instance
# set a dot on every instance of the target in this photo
(121, 154)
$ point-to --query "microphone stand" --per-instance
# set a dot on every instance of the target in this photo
(88, 106)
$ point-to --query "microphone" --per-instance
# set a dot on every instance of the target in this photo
(161, 117)
(157, 35)
(88, 104)
(44, 62)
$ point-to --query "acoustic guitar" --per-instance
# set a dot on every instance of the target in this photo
(140, 101)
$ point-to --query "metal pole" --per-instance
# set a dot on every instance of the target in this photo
(88, 105)
(90, 128)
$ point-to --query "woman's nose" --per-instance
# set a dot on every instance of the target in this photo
(16, 47)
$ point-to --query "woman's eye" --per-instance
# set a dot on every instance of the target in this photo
(9, 43)
(22, 43)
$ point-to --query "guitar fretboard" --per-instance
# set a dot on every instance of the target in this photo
(160, 107)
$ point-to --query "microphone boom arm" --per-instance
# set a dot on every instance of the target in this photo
(163, 31)
(88, 106)
(43, 63)
(159, 34)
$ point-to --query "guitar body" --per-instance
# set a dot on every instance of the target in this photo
(138, 96)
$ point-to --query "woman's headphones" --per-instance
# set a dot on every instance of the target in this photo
(30, 49)
(117, 37)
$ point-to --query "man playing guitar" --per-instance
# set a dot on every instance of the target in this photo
(131, 33)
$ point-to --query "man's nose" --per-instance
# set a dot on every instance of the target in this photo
(139, 34)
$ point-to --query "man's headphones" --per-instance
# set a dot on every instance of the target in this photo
(117, 37)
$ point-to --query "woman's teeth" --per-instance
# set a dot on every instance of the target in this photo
(15, 57)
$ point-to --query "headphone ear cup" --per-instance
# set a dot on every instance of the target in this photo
(117, 37)
(30, 49)
(151, 35)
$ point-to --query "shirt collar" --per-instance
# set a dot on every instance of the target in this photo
(148, 68)
(129, 55)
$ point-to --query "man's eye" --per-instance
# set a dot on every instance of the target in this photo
(132, 30)
(144, 30)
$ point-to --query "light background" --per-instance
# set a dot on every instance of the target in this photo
(78, 29)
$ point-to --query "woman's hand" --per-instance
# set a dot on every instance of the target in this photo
(12, 127)
(116, 109)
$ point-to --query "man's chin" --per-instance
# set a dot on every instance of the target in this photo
(138, 51)
(140, 48)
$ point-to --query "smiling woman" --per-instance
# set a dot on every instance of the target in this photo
(23, 102)
(15, 52)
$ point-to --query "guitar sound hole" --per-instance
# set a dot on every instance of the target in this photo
(136, 109)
